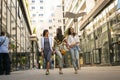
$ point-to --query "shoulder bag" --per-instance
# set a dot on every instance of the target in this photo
(2, 42)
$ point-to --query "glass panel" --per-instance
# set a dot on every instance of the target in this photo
(97, 56)
(8, 21)
(13, 28)
(4, 17)
(87, 58)
(116, 50)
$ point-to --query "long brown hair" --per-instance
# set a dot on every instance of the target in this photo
(59, 34)
(69, 32)
(44, 32)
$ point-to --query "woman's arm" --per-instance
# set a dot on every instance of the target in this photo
(77, 39)
(42, 44)
(70, 42)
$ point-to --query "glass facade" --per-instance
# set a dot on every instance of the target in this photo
(14, 23)
(101, 37)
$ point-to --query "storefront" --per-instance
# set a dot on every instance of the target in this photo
(101, 37)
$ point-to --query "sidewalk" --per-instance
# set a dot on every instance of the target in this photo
(102, 68)
(85, 73)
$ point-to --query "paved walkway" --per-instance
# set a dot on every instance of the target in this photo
(86, 73)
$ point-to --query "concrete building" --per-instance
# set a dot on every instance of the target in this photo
(15, 22)
(45, 14)
(98, 29)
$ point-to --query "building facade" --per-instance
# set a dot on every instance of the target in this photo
(98, 29)
(46, 15)
(14, 21)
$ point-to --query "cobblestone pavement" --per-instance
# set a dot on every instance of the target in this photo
(85, 73)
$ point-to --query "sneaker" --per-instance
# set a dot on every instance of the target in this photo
(78, 68)
(60, 72)
(76, 72)
(47, 73)
(7, 73)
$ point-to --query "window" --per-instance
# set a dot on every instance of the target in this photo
(41, 7)
(50, 27)
(50, 21)
(41, 20)
(50, 34)
(58, 5)
(52, 14)
(60, 26)
(41, 1)
(33, 1)
(59, 21)
(40, 14)
(33, 21)
(33, 15)
(118, 4)
(53, 19)
(54, 26)
(33, 7)
(19, 12)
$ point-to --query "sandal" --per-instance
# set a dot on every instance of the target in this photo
(60, 72)
(47, 73)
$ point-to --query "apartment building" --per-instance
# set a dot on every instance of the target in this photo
(45, 14)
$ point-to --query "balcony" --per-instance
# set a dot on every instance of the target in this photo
(33, 37)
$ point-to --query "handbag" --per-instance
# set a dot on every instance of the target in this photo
(2, 42)
(63, 50)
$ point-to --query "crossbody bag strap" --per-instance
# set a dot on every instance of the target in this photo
(2, 42)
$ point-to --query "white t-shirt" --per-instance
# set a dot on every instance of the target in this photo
(72, 40)
(4, 46)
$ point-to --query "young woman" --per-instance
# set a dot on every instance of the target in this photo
(46, 49)
(73, 41)
(58, 42)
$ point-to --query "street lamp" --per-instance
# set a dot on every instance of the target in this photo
(75, 17)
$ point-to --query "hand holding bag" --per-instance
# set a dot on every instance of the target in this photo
(63, 50)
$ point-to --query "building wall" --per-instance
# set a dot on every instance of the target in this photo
(14, 23)
(51, 19)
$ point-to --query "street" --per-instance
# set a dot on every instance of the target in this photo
(86, 73)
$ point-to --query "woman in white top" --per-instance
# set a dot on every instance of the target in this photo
(46, 48)
(73, 41)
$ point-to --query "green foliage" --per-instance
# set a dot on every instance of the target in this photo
(34, 30)
(12, 46)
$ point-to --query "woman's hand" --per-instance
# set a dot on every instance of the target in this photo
(53, 51)
(72, 45)
(42, 54)
(77, 43)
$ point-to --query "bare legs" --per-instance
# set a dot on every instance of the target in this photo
(47, 68)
